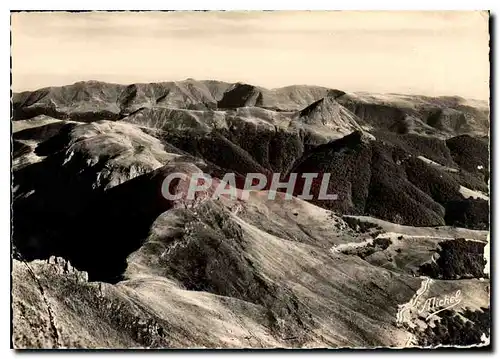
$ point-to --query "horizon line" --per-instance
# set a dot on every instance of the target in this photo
(416, 94)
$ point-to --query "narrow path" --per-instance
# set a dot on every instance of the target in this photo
(403, 315)
(404, 309)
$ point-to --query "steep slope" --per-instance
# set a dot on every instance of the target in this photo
(149, 312)
(288, 98)
(471, 154)
(138, 270)
(436, 116)
(274, 140)
(225, 255)
(383, 179)
(241, 95)
(327, 112)
(210, 276)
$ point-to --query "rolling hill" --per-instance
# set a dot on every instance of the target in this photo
(101, 259)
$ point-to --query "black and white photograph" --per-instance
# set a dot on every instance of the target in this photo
(250, 179)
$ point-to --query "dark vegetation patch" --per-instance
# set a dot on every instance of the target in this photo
(384, 178)
(432, 148)
(359, 225)
(243, 149)
(468, 213)
(275, 149)
(470, 153)
(444, 189)
(382, 243)
(348, 160)
(392, 197)
(378, 245)
(439, 185)
(370, 178)
(53, 144)
(460, 329)
(474, 181)
(215, 148)
(458, 259)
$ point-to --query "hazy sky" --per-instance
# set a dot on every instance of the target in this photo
(436, 53)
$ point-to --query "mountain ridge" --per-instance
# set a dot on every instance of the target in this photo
(103, 260)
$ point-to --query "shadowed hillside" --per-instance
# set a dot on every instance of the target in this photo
(103, 260)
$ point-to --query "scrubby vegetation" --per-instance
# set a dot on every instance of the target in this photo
(348, 160)
(458, 259)
(393, 197)
(371, 180)
(468, 213)
(359, 225)
(439, 185)
(445, 189)
(452, 328)
(378, 244)
(432, 148)
(475, 181)
(382, 242)
(471, 154)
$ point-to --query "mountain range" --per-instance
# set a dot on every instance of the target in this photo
(102, 260)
